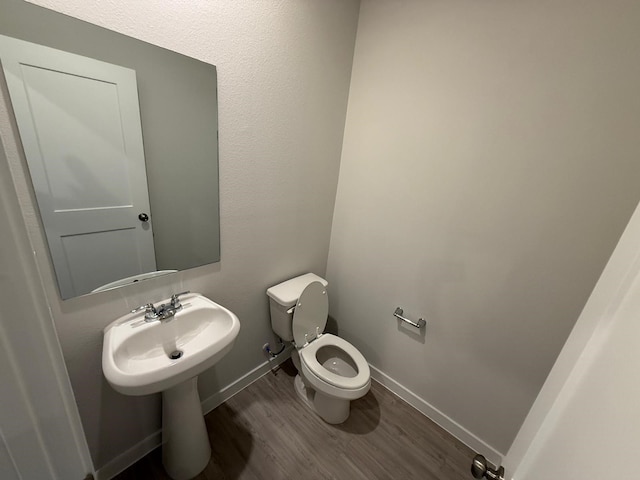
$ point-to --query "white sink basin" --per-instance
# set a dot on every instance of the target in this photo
(136, 354)
(136, 360)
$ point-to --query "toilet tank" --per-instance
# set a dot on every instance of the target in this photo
(284, 296)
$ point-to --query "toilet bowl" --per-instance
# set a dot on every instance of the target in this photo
(331, 371)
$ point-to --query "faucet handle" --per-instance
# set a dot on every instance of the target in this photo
(138, 309)
(146, 306)
(150, 312)
(175, 300)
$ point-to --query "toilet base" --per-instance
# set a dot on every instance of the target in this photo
(305, 394)
(332, 410)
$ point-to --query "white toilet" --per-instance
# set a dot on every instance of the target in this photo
(331, 371)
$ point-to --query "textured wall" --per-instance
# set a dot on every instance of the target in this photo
(490, 163)
(283, 78)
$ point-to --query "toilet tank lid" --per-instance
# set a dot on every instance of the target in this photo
(288, 292)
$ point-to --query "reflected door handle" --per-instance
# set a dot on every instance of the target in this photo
(143, 217)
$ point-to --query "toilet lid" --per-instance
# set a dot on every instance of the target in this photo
(311, 313)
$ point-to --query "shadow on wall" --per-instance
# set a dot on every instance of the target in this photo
(417, 334)
(332, 326)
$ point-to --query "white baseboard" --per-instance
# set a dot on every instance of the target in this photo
(243, 382)
(153, 441)
(428, 410)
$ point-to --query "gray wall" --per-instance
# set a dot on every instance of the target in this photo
(178, 108)
(283, 78)
(490, 164)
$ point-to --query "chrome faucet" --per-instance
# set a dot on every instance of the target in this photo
(164, 311)
(168, 310)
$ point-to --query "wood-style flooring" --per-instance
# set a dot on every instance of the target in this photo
(265, 432)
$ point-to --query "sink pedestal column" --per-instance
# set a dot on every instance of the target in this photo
(185, 443)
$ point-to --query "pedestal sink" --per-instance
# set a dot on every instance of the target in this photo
(141, 357)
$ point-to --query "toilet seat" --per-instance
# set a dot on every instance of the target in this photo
(310, 360)
(309, 321)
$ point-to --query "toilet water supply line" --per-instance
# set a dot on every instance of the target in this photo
(267, 348)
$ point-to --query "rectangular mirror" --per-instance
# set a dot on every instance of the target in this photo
(121, 142)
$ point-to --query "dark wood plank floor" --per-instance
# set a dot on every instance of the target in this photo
(266, 433)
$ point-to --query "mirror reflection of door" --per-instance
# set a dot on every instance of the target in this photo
(79, 122)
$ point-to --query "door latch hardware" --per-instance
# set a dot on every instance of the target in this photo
(479, 469)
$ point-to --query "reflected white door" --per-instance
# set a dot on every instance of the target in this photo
(79, 121)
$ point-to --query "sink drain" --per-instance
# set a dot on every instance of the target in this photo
(175, 355)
